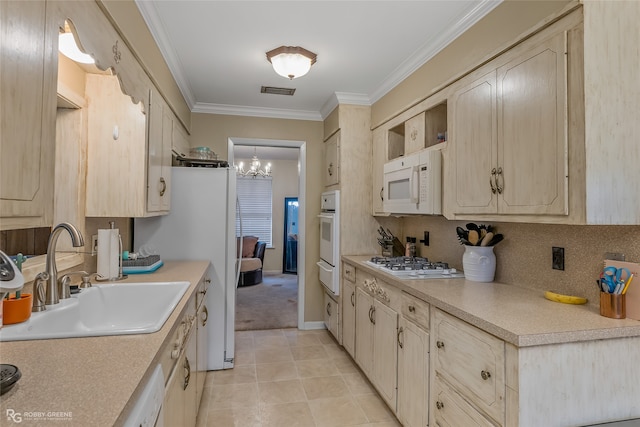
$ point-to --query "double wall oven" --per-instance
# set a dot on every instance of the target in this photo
(329, 264)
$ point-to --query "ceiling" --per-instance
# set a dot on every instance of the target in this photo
(216, 49)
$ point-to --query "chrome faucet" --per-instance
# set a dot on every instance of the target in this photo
(51, 269)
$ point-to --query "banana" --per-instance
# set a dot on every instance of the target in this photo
(565, 299)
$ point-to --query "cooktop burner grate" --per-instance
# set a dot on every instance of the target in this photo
(414, 267)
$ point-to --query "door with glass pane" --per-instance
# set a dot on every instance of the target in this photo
(290, 252)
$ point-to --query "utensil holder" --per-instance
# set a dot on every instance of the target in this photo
(16, 310)
(479, 263)
(613, 305)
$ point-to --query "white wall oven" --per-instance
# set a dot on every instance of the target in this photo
(329, 264)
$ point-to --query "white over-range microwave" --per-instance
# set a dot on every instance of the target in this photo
(413, 184)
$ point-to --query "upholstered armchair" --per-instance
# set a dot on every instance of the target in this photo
(251, 261)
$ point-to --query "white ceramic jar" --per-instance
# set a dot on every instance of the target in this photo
(479, 263)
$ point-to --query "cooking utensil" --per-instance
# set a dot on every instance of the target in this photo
(462, 235)
(474, 237)
(486, 239)
(496, 239)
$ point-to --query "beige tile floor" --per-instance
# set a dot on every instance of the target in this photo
(291, 378)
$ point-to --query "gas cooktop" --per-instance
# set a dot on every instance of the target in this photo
(414, 268)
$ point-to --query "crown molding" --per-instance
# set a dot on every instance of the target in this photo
(238, 110)
(156, 27)
(432, 47)
(343, 98)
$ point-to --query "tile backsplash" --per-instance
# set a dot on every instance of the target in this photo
(524, 257)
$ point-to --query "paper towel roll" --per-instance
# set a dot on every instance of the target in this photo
(108, 253)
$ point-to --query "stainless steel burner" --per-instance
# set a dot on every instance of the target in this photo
(414, 267)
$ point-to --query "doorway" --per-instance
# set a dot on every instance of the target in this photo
(290, 244)
(273, 275)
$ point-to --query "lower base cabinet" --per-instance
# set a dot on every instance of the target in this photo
(349, 317)
(413, 375)
(331, 315)
(376, 354)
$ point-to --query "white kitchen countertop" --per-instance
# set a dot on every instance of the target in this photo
(92, 380)
(520, 316)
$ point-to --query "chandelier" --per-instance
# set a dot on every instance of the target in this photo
(254, 169)
(291, 61)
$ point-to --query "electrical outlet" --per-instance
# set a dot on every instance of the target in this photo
(94, 245)
(557, 262)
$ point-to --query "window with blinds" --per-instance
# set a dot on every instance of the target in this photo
(255, 199)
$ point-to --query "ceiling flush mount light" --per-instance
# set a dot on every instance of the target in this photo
(254, 169)
(291, 61)
(68, 47)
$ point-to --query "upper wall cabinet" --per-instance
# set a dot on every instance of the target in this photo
(28, 106)
(379, 152)
(510, 133)
(128, 175)
(512, 129)
(332, 160)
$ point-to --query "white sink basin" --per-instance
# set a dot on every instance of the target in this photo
(110, 309)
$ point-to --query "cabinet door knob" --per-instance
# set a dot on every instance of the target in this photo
(439, 405)
(440, 344)
(485, 375)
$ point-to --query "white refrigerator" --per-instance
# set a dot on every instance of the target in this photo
(201, 226)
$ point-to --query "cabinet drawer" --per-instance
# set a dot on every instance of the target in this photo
(349, 272)
(450, 409)
(415, 310)
(472, 361)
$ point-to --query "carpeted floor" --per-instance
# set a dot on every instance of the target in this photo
(272, 304)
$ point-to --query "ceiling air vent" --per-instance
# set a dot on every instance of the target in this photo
(277, 90)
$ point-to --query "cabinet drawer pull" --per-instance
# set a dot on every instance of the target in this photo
(206, 315)
(493, 178)
(485, 375)
(400, 331)
(187, 377)
(440, 344)
(439, 405)
(164, 186)
(412, 309)
(353, 301)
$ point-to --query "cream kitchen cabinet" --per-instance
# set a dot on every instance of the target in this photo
(28, 105)
(348, 309)
(160, 142)
(509, 151)
(331, 310)
(376, 335)
(379, 153)
(469, 366)
(413, 362)
(332, 160)
(125, 178)
(181, 391)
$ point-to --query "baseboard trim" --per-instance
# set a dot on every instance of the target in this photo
(308, 326)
